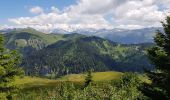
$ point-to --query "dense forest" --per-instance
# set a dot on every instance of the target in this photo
(81, 54)
(56, 55)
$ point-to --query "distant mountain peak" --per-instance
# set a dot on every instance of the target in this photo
(125, 36)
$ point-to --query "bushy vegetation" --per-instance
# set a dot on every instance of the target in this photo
(126, 88)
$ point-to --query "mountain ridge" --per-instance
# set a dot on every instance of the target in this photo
(83, 53)
(74, 53)
(123, 36)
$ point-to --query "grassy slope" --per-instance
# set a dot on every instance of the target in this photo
(47, 38)
(38, 82)
(97, 76)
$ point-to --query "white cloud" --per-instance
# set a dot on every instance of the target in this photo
(144, 13)
(64, 21)
(36, 10)
(98, 13)
(55, 9)
(92, 7)
(129, 26)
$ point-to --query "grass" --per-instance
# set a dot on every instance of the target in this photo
(75, 78)
(96, 76)
(106, 76)
(36, 82)
(35, 88)
(33, 80)
(33, 34)
(21, 42)
(49, 39)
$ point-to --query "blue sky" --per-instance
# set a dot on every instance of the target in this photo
(17, 8)
(70, 15)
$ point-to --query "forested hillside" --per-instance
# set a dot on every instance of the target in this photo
(60, 54)
(83, 53)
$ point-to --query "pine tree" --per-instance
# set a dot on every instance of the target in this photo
(9, 61)
(88, 78)
(160, 56)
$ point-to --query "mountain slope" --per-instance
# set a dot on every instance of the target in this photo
(129, 36)
(83, 53)
(50, 54)
(28, 40)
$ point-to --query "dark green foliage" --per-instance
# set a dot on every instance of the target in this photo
(55, 55)
(88, 78)
(160, 56)
(76, 55)
(129, 85)
(9, 69)
(124, 89)
(129, 80)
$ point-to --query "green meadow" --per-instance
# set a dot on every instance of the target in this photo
(104, 86)
(28, 81)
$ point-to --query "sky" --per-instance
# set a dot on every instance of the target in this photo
(82, 14)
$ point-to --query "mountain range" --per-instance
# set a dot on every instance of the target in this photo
(60, 54)
(124, 36)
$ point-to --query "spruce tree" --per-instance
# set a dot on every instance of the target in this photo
(9, 61)
(160, 56)
(88, 78)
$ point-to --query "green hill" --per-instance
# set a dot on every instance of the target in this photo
(82, 53)
(60, 54)
(28, 40)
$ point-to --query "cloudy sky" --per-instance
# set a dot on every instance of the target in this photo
(82, 14)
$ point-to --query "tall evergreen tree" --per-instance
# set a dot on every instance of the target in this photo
(160, 56)
(88, 78)
(9, 61)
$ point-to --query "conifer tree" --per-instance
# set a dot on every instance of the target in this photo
(160, 56)
(88, 78)
(9, 61)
